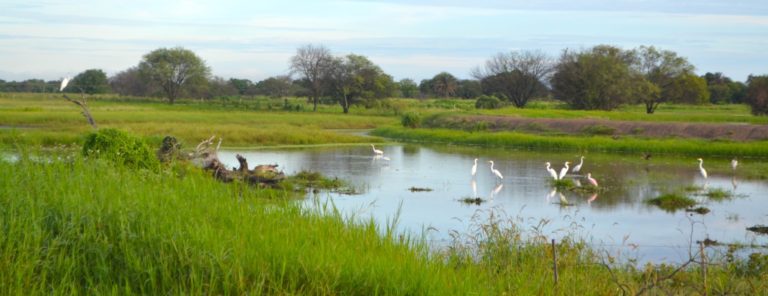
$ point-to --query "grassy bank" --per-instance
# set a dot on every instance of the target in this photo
(73, 226)
(592, 143)
(49, 120)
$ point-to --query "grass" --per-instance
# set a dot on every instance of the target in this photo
(75, 226)
(718, 194)
(593, 144)
(671, 202)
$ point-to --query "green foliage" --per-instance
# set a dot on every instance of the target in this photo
(672, 202)
(487, 102)
(162, 67)
(718, 194)
(757, 94)
(92, 81)
(120, 147)
(411, 120)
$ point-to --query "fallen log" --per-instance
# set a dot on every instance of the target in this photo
(207, 157)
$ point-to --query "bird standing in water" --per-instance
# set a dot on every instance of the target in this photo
(495, 171)
(591, 180)
(563, 171)
(577, 168)
(474, 168)
(701, 168)
(551, 171)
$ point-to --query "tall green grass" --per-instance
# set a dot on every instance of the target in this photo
(75, 226)
(593, 143)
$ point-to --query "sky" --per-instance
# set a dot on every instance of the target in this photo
(414, 39)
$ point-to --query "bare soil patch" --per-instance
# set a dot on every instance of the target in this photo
(723, 131)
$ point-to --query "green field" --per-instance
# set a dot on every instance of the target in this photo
(72, 225)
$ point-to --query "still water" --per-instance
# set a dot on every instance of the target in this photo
(617, 219)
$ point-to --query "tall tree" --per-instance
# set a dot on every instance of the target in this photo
(353, 78)
(243, 86)
(408, 88)
(444, 85)
(517, 76)
(469, 89)
(663, 68)
(173, 69)
(130, 83)
(311, 62)
(597, 78)
(688, 89)
(757, 94)
(91, 81)
(275, 87)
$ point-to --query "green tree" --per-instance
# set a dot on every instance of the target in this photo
(597, 78)
(469, 88)
(275, 87)
(408, 88)
(354, 78)
(243, 86)
(444, 85)
(173, 70)
(130, 83)
(312, 62)
(688, 89)
(516, 76)
(757, 94)
(92, 81)
(663, 68)
(723, 89)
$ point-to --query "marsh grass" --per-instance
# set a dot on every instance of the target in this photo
(75, 226)
(718, 194)
(672, 202)
(595, 143)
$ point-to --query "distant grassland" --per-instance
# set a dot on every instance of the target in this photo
(49, 120)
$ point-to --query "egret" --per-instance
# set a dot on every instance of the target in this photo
(591, 180)
(563, 171)
(701, 168)
(551, 171)
(64, 83)
(474, 168)
(577, 168)
(495, 171)
(377, 151)
(734, 163)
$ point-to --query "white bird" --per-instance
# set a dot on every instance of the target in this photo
(701, 168)
(577, 168)
(734, 163)
(377, 151)
(495, 171)
(64, 83)
(474, 168)
(591, 180)
(551, 171)
(563, 171)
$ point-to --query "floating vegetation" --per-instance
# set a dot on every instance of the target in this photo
(718, 194)
(698, 210)
(693, 188)
(671, 202)
(563, 184)
(472, 200)
(315, 181)
(418, 189)
(761, 229)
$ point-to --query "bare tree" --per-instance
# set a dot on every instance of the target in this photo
(523, 74)
(311, 62)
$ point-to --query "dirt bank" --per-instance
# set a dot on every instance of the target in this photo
(724, 131)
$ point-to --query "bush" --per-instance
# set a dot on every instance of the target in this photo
(410, 119)
(120, 147)
(487, 102)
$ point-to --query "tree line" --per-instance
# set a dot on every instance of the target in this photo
(601, 77)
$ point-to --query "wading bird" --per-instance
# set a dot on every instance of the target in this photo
(577, 168)
(563, 171)
(734, 163)
(64, 83)
(591, 180)
(377, 151)
(495, 171)
(701, 168)
(551, 171)
(474, 168)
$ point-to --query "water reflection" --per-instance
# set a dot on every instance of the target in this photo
(626, 182)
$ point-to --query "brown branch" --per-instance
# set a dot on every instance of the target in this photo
(86, 113)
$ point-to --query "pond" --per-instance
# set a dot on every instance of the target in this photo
(616, 219)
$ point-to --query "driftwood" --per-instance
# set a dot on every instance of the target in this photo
(86, 113)
(207, 157)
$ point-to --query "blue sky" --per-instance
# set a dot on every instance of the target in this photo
(408, 39)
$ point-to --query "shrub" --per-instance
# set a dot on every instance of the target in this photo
(487, 102)
(120, 147)
(410, 119)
